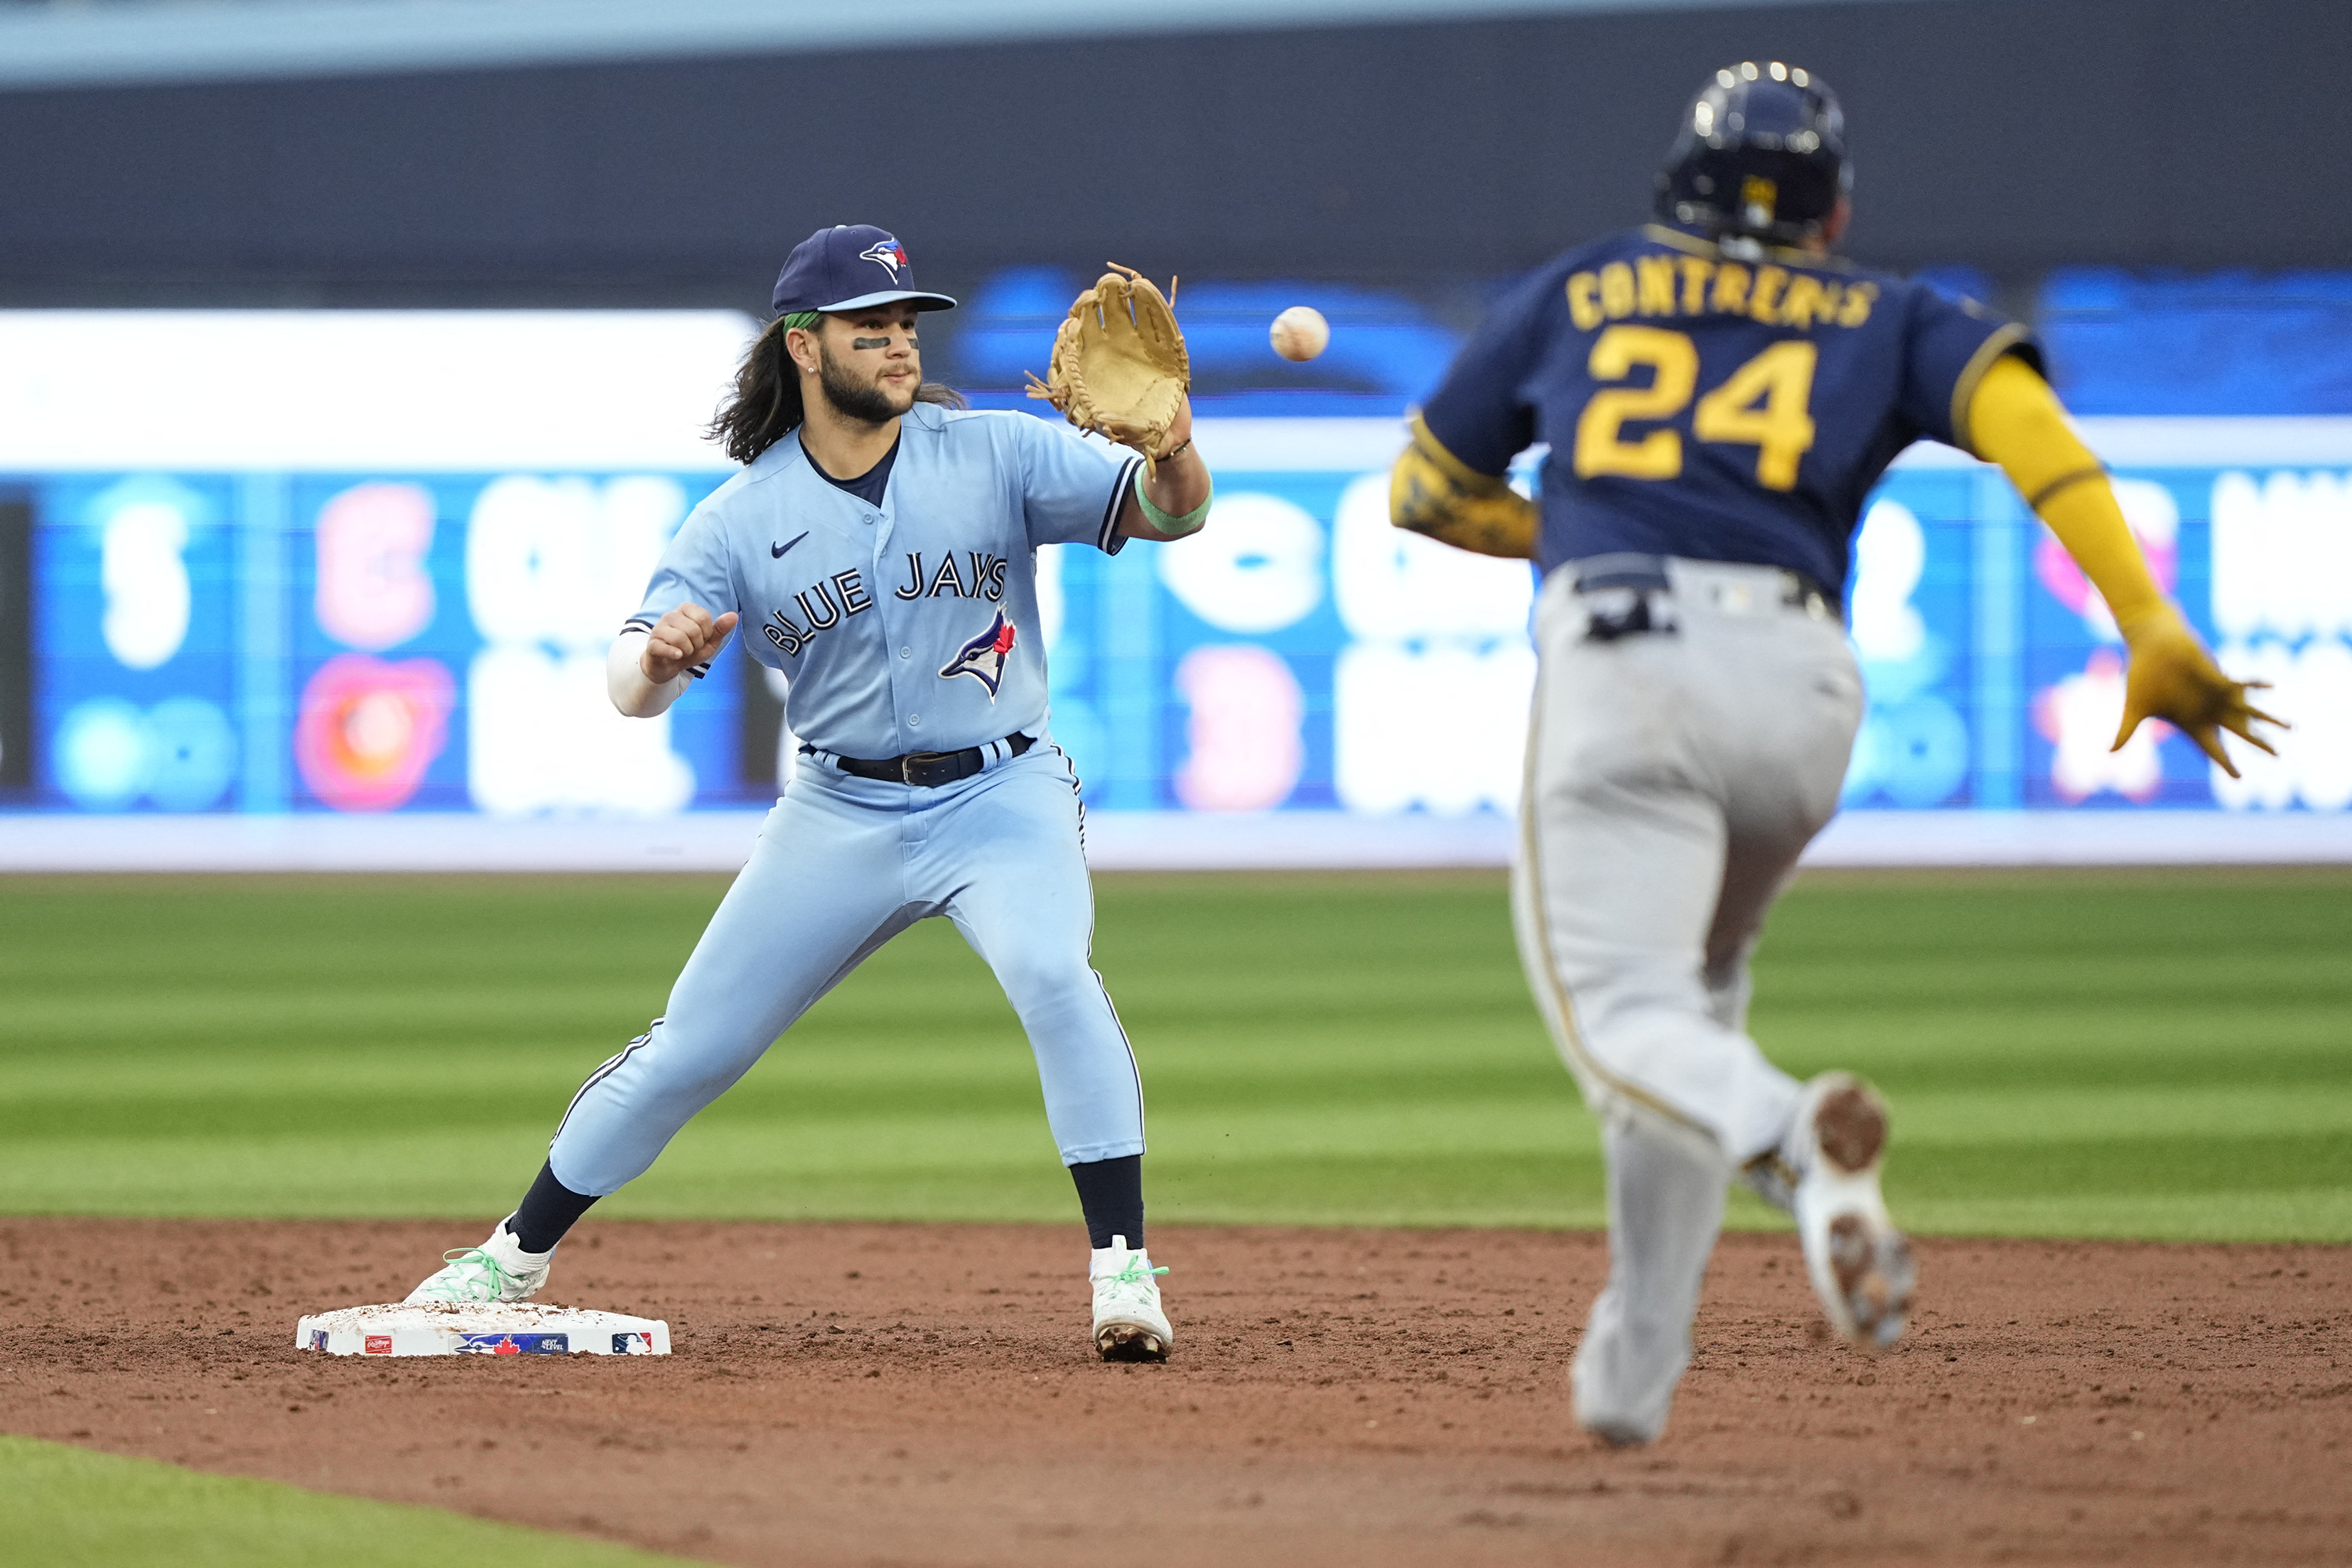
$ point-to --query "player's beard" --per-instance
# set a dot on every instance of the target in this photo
(849, 399)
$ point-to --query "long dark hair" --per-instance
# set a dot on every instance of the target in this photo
(766, 406)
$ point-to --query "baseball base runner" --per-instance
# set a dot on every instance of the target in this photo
(1719, 392)
(880, 544)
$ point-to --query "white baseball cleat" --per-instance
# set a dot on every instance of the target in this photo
(497, 1270)
(1129, 1322)
(1861, 1265)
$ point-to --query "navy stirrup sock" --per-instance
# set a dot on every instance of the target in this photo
(1111, 1193)
(550, 1208)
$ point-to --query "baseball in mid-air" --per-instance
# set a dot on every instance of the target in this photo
(1300, 333)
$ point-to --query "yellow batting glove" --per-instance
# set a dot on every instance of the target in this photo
(2174, 679)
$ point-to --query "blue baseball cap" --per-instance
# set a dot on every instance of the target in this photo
(848, 268)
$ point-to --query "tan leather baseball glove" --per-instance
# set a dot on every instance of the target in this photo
(1119, 367)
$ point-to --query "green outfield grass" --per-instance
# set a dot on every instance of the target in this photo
(2151, 1054)
(69, 1508)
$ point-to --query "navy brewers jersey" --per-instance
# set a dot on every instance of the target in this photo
(1710, 406)
(909, 626)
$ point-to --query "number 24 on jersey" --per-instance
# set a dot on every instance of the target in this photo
(1763, 404)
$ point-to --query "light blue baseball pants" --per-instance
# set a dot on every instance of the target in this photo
(844, 864)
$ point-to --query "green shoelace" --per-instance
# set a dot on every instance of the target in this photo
(1135, 1273)
(498, 1276)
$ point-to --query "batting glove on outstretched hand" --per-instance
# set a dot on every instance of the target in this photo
(682, 639)
(2174, 679)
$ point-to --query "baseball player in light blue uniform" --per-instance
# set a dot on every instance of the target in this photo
(879, 549)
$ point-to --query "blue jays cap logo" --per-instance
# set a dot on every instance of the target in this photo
(983, 657)
(822, 273)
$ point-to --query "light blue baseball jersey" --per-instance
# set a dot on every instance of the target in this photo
(911, 626)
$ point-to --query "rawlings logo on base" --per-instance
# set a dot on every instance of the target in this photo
(377, 1344)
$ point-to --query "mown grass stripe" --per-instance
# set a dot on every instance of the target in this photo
(2158, 1054)
(64, 1507)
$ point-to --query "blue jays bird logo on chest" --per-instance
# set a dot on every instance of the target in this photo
(983, 657)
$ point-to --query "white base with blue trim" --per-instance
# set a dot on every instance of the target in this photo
(451, 1328)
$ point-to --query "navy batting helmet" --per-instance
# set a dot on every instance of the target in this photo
(1762, 153)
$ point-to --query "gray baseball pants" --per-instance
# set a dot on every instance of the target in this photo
(1675, 773)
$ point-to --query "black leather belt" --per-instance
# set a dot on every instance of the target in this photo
(927, 770)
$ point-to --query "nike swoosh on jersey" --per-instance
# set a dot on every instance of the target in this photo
(778, 550)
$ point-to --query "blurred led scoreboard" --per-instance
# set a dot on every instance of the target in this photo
(364, 563)
(351, 561)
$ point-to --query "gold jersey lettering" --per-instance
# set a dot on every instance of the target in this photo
(1804, 302)
(1657, 274)
(1856, 309)
(1764, 299)
(1698, 273)
(1731, 287)
(1617, 291)
(1583, 309)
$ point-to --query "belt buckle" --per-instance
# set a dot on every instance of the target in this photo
(911, 760)
(1799, 591)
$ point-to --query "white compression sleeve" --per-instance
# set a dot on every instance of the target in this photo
(625, 678)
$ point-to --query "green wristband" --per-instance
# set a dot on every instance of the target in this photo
(1169, 523)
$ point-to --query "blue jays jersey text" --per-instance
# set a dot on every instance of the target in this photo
(1712, 406)
(910, 625)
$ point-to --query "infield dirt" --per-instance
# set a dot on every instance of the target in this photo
(925, 1395)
